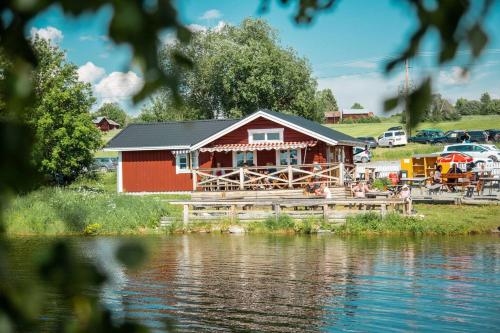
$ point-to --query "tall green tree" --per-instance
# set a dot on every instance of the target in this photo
(162, 107)
(440, 110)
(60, 118)
(466, 107)
(112, 111)
(358, 106)
(240, 69)
(326, 101)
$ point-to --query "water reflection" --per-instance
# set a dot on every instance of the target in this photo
(316, 283)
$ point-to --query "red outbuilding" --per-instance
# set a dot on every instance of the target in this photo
(266, 149)
(105, 124)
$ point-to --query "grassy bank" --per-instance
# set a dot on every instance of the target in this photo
(397, 153)
(92, 207)
(466, 123)
(86, 207)
(430, 220)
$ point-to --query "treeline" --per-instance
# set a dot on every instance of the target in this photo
(235, 71)
(484, 106)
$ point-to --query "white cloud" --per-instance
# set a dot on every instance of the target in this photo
(211, 14)
(454, 76)
(197, 27)
(51, 34)
(90, 72)
(361, 64)
(369, 89)
(219, 26)
(118, 86)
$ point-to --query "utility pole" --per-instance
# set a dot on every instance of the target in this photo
(407, 88)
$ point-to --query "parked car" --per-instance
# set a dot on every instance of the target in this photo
(395, 128)
(458, 137)
(392, 138)
(426, 136)
(105, 164)
(360, 154)
(370, 141)
(493, 135)
(478, 152)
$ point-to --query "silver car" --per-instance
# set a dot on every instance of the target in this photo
(361, 154)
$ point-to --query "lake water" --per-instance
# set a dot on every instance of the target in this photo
(301, 283)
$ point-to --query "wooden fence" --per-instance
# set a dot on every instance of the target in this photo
(272, 177)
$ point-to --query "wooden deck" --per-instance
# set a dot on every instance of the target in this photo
(331, 210)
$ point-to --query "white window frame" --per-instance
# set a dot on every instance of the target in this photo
(244, 151)
(265, 131)
(299, 156)
(178, 162)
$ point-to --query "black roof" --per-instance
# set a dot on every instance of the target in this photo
(175, 133)
(187, 133)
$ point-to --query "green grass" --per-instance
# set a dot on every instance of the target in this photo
(375, 129)
(106, 136)
(397, 153)
(89, 206)
(382, 154)
(430, 220)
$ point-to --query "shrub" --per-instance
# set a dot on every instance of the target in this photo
(381, 183)
(92, 229)
(283, 222)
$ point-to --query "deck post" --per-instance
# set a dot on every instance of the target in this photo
(325, 212)
(290, 176)
(277, 211)
(232, 213)
(383, 209)
(242, 179)
(341, 174)
(185, 214)
(195, 180)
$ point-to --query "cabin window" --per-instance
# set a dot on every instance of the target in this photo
(265, 135)
(242, 157)
(181, 163)
(288, 157)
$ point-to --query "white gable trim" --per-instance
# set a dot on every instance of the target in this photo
(262, 114)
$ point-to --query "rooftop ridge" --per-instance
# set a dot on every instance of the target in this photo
(182, 121)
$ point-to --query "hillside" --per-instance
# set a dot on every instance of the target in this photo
(467, 123)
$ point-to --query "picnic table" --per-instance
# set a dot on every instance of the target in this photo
(415, 182)
(375, 194)
(491, 181)
(457, 179)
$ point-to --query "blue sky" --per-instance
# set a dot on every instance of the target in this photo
(347, 48)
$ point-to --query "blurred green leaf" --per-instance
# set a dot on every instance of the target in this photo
(477, 39)
(418, 101)
(391, 103)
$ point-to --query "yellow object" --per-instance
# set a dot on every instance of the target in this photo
(420, 165)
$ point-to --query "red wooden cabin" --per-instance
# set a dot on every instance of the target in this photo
(263, 150)
(105, 124)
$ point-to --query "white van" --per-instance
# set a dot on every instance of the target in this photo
(392, 138)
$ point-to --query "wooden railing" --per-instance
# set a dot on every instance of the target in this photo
(271, 177)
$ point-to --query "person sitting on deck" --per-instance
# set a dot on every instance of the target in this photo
(218, 171)
(358, 190)
(451, 181)
(436, 177)
(405, 192)
(313, 186)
